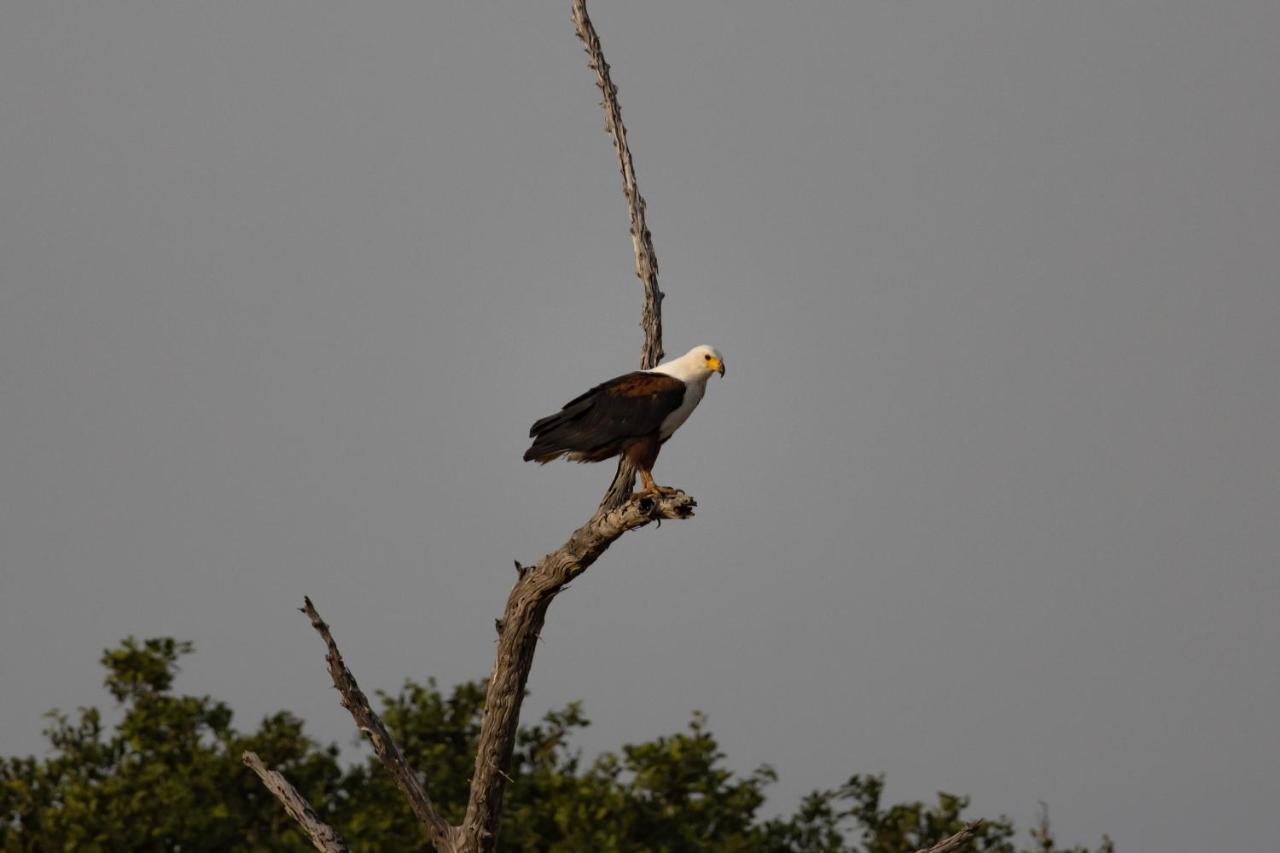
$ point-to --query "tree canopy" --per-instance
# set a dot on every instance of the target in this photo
(168, 776)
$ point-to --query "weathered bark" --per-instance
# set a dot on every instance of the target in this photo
(517, 640)
(624, 480)
(354, 700)
(957, 842)
(322, 836)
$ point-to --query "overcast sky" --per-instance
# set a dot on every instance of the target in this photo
(989, 498)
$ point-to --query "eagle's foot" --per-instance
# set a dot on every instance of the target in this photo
(645, 495)
(655, 492)
(650, 489)
(659, 503)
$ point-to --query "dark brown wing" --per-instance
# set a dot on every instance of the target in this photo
(601, 422)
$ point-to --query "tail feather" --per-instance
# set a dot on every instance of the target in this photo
(558, 434)
(570, 440)
(572, 409)
(542, 454)
(552, 436)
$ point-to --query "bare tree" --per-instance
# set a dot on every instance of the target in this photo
(536, 586)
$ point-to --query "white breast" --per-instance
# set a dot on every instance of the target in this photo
(692, 396)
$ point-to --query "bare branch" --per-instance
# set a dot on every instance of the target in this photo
(526, 609)
(641, 240)
(955, 842)
(521, 623)
(536, 586)
(354, 700)
(323, 837)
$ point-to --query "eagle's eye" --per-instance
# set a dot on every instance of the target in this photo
(707, 357)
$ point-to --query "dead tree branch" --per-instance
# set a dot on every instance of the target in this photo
(527, 604)
(322, 836)
(521, 624)
(537, 585)
(624, 480)
(956, 842)
(354, 700)
(641, 239)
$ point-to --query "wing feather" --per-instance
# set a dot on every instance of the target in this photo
(599, 423)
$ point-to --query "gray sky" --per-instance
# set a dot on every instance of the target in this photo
(989, 496)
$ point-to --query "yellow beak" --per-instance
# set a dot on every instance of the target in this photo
(720, 366)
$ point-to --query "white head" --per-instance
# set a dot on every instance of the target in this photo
(697, 364)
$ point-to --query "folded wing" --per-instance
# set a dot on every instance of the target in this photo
(603, 421)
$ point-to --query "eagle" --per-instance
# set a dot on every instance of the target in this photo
(630, 415)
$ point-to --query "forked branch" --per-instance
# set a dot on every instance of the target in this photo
(537, 585)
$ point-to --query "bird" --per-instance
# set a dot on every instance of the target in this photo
(630, 415)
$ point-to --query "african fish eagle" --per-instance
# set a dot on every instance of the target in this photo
(632, 415)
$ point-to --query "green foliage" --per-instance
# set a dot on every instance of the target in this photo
(169, 777)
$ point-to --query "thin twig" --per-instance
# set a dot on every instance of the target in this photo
(955, 842)
(323, 837)
(641, 240)
(354, 700)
